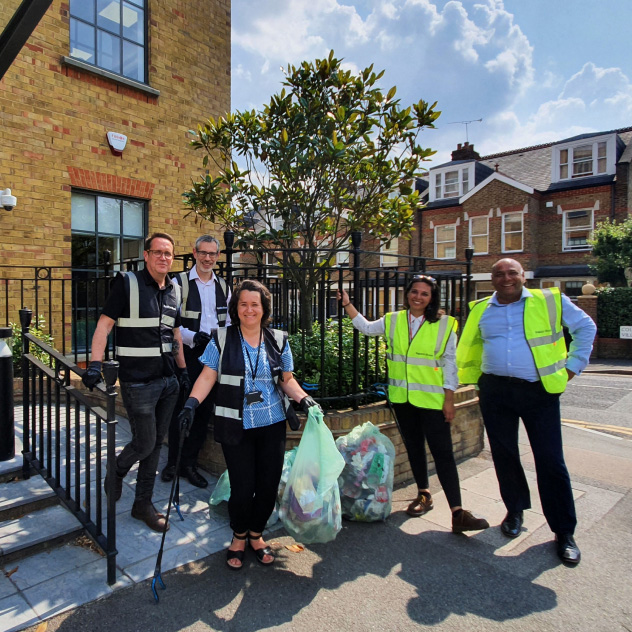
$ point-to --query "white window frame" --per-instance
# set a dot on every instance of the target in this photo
(464, 183)
(566, 230)
(386, 252)
(521, 231)
(564, 157)
(485, 234)
(447, 241)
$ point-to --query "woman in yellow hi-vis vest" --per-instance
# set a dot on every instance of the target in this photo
(422, 378)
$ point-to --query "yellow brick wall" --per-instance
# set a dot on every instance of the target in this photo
(54, 118)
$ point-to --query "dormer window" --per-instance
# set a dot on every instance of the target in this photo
(584, 158)
(451, 182)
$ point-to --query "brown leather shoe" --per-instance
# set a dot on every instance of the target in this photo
(421, 505)
(463, 520)
(144, 510)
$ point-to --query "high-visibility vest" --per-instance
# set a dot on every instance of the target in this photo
(229, 389)
(415, 372)
(144, 335)
(543, 332)
(191, 311)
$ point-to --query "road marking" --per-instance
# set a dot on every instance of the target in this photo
(594, 426)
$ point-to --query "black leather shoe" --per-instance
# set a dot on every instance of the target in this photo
(511, 526)
(144, 510)
(567, 550)
(118, 486)
(168, 473)
(193, 476)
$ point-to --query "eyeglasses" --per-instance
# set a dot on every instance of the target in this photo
(161, 254)
(424, 277)
(207, 253)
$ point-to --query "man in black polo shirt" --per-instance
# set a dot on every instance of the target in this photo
(144, 307)
(204, 307)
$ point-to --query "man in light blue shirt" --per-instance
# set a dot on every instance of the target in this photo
(511, 388)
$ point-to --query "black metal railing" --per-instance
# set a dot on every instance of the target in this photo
(64, 434)
(68, 303)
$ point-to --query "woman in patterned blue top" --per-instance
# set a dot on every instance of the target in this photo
(250, 366)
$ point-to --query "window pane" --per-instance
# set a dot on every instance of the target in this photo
(513, 222)
(83, 9)
(466, 181)
(582, 160)
(445, 233)
(451, 183)
(81, 41)
(564, 171)
(133, 61)
(479, 244)
(564, 157)
(113, 245)
(133, 23)
(109, 215)
(513, 241)
(82, 212)
(479, 226)
(132, 249)
(83, 248)
(578, 219)
(109, 15)
(109, 52)
(601, 158)
(139, 3)
(133, 218)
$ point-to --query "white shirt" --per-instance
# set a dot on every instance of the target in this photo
(208, 319)
(447, 360)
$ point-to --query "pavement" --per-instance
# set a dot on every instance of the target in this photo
(402, 574)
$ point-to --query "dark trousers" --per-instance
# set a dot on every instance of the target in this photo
(503, 403)
(149, 408)
(203, 413)
(254, 469)
(419, 425)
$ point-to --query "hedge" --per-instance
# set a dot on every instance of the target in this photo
(614, 308)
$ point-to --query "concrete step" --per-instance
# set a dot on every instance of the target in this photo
(19, 497)
(36, 530)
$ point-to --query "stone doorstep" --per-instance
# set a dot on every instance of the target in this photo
(36, 530)
(19, 497)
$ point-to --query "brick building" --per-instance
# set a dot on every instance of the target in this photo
(90, 74)
(538, 205)
(150, 71)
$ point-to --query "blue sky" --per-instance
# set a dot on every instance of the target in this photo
(535, 71)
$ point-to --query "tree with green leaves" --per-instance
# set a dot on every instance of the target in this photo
(612, 246)
(331, 153)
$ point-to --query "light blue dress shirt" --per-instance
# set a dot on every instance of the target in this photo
(505, 348)
(270, 410)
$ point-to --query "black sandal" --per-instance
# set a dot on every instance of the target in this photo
(236, 555)
(261, 553)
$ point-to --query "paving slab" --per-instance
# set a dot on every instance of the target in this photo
(16, 613)
(17, 493)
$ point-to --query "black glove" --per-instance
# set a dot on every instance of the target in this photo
(185, 381)
(92, 375)
(307, 402)
(185, 418)
(201, 338)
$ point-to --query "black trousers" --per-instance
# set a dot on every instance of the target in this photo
(419, 425)
(203, 414)
(254, 466)
(503, 403)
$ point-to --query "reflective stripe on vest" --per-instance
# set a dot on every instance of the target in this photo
(136, 322)
(195, 315)
(415, 368)
(543, 333)
(233, 382)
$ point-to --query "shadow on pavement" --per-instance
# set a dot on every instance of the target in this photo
(372, 572)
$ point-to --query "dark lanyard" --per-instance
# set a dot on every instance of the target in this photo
(254, 370)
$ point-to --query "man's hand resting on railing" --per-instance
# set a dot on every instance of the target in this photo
(92, 375)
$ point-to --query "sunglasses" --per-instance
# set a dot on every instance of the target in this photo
(423, 277)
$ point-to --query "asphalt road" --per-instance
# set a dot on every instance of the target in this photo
(602, 402)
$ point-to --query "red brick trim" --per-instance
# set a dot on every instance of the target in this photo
(109, 183)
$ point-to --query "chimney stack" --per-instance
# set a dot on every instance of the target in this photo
(465, 152)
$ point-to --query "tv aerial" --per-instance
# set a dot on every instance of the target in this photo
(466, 123)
